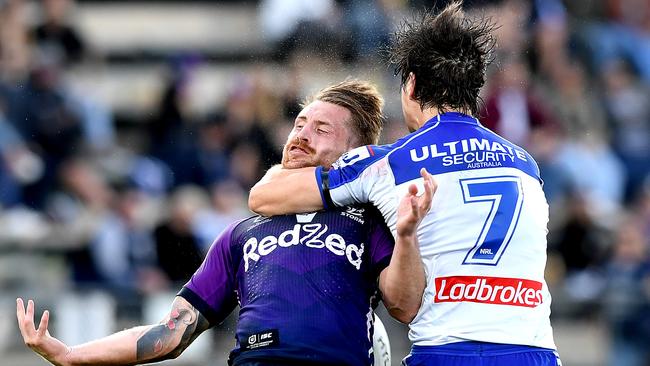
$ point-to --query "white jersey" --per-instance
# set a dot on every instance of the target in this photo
(483, 242)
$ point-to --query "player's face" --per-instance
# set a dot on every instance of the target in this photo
(320, 135)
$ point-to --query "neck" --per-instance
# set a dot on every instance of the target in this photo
(428, 113)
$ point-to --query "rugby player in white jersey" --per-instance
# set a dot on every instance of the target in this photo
(484, 241)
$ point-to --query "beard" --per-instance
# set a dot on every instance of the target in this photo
(291, 160)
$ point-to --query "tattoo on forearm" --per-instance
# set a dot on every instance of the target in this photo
(172, 336)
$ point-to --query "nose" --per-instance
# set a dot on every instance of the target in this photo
(304, 135)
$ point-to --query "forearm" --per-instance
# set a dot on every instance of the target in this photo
(117, 349)
(284, 191)
(402, 283)
(144, 344)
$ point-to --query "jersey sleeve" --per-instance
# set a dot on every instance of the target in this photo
(382, 244)
(211, 289)
(350, 179)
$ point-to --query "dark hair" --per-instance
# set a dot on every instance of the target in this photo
(363, 101)
(448, 53)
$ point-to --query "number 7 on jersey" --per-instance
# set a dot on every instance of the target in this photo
(506, 196)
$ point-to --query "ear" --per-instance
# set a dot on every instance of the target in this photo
(409, 87)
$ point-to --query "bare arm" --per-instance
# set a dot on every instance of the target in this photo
(284, 191)
(138, 345)
(403, 281)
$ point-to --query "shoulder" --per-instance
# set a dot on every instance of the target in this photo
(361, 157)
(355, 163)
(231, 234)
(528, 163)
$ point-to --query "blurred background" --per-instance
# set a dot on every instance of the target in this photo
(131, 131)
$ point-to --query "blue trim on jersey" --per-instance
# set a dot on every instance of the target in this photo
(453, 117)
(537, 174)
(350, 166)
(319, 181)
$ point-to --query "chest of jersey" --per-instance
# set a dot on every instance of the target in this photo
(304, 241)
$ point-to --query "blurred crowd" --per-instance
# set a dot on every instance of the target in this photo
(130, 205)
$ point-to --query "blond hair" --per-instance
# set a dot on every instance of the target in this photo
(363, 101)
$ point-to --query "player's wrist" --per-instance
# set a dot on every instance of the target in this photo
(406, 236)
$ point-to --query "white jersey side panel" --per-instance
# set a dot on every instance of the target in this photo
(483, 242)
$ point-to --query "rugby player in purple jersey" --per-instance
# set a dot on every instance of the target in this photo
(306, 284)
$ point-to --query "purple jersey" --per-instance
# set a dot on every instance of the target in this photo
(306, 285)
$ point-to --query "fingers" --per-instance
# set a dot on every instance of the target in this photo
(20, 313)
(25, 318)
(428, 178)
(20, 308)
(42, 327)
(422, 204)
(29, 315)
(429, 189)
(414, 206)
(413, 190)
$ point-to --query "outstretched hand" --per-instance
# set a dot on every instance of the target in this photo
(40, 340)
(412, 208)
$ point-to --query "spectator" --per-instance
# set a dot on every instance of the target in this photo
(625, 34)
(177, 248)
(18, 165)
(49, 123)
(369, 25)
(511, 108)
(77, 212)
(627, 296)
(228, 204)
(123, 249)
(297, 26)
(55, 35)
(578, 110)
(15, 51)
(627, 101)
(213, 155)
(581, 244)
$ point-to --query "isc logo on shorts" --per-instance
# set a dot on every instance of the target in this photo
(489, 290)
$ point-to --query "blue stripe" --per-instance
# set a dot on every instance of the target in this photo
(319, 181)
(476, 349)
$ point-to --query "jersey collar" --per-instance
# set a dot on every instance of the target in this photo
(452, 117)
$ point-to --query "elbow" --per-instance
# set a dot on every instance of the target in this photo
(254, 203)
(409, 315)
(405, 316)
(175, 353)
(257, 204)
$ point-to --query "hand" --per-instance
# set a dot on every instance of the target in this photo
(412, 208)
(39, 340)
